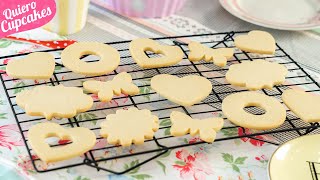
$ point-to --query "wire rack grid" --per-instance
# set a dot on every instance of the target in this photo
(162, 142)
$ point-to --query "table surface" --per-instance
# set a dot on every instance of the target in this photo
(235, 159)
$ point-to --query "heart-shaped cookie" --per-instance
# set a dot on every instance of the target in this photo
(256, 42)
(305, 105)
(185, 91)
(170, 54)
(38, 65)
(82, 141)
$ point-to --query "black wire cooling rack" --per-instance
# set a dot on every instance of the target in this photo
(162, 142)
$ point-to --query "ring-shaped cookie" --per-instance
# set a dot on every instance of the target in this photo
(234, 104)
(109, 58)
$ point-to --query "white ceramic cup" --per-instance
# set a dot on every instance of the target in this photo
(70, 17)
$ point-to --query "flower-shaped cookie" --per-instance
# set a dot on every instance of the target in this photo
(129, 126)
(255, 75)
(54, 101)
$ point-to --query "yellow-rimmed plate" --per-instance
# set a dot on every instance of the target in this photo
(297, 159)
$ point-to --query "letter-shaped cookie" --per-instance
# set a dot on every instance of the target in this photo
(54, 101)
(183, 124)
(305, 105)
(218, 56)
(129, 126)
(109, 58)
(257, 74)
(170, 54)
(82, 141)
(185, 91)
(121, 83)
(38, 65)
(256, 42)
(234, 104)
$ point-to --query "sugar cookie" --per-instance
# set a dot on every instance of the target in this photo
(256, 42)
(121, 83)
(218, 56)
(255, 75)
(170, 54)
(183, 124)
(234, 104)
(185, 91)
(37, 65)
(109, 58)
(129, 126)
(82, 141)
(54, 101)
(305, 105)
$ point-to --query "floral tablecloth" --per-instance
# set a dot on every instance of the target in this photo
(239, 159)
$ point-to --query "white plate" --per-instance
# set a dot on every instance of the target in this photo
(297, 159)
(277, 14)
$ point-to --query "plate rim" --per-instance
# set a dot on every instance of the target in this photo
(234, 13)
(269, 163)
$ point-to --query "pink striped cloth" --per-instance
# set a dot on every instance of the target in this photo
(144, 8)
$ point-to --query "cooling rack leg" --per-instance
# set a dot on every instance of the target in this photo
(93, 164)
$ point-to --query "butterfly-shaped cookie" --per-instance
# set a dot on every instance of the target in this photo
(218, 56)
(121, 83)
(183, 124)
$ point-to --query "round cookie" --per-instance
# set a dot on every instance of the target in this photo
(234, 104)
(109, 58)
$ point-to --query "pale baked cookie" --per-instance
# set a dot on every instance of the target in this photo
(109, 58)
(256, 42)
(121, 83)
(129, 126)
(54, 101)
(170, 54)
(305, 105)
(218, 56)
(183, 124)
(255, 75)
(234, 104)
(185, 91)
(82, 141)
(37, 65)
